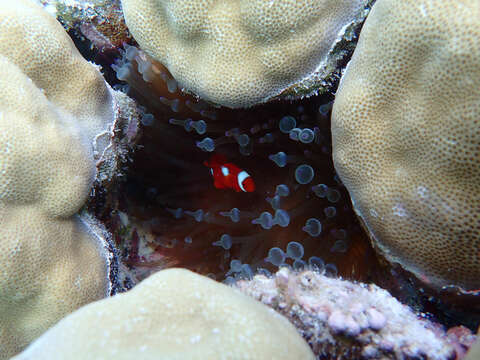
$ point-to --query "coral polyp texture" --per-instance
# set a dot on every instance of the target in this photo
(55, 66)
(344, 320)
(177, 315)
(406, 136)
(241, 53)
(51, 264)
(56, 116)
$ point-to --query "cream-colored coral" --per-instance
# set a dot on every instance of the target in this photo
(37, 43)
(177, 315)
(52, 105)
(406, 136)
(239, 53)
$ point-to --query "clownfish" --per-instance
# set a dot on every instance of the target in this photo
(227, 175)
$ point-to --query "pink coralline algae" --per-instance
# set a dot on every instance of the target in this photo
(345, 320)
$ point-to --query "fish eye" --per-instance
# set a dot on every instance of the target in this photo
(225, 171)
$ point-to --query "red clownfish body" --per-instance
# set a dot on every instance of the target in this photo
(227, 175)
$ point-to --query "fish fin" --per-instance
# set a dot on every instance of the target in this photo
(249, 185)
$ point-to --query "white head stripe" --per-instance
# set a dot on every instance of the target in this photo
(225, 171)
(242, 175)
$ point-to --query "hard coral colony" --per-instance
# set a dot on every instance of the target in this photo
(407, 146)
(56, 117)
(161, 320)
(202, 78)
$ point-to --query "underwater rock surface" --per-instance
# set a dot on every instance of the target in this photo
(341, 319)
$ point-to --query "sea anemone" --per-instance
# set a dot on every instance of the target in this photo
(299, 213)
